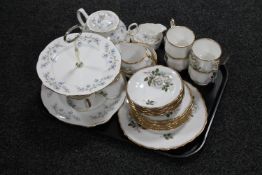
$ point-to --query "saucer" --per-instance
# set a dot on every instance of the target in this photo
(166, 141)
(101, 64)
(154, 87)
(184, 106)
(102, 21)
(58, 106)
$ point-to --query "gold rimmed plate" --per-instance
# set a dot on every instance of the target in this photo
(169, 140)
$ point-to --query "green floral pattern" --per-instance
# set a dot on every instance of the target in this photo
(150, 102)
(159, 79)
(168, 136)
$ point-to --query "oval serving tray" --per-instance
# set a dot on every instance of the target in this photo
(212, 95)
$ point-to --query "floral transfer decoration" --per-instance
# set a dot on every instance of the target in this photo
(159, 79)
(48, 58)
(168, 136)
(150, 102)
(68, 115)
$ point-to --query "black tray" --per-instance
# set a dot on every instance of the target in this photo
(212, 94)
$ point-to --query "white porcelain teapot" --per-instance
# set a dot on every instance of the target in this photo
(103, 22)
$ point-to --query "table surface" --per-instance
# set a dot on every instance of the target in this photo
(34, 143)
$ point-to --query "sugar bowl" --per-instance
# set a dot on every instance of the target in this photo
(148, 33)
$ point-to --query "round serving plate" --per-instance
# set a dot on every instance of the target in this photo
(166, 141)
(102, 21)
(57, 105)
(57, 68)
(154, 87)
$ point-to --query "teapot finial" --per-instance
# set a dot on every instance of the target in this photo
(172, 22)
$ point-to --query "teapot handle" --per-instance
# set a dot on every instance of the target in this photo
(172, 22)
(80, 12)
(132, 27)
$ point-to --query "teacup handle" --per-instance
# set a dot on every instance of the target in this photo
(132, 27)
(79, 14)
(172, 22)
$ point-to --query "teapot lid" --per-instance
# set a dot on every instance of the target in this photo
(102, 21)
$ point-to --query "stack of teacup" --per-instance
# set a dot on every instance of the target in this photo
(200, 56)
(158, 98)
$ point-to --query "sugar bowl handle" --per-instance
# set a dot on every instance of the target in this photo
(81, 12)
(172, 22)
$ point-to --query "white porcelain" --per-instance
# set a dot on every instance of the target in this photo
(205, 55)
(58, 106)
(179, 40)
(116, 34)
(113, 89)
(85, 103)
(57, 68)
(185, 104)
(135, 56)
(154, 87)
(178, 64)
(175, 139)
(101, 21)
(204, 61)
(201, 78)
(155, 44)
(148, 33)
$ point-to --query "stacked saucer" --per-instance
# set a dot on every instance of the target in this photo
(81, 79)
(160, 106)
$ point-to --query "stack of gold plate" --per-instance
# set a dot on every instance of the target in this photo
(160, 103)
(155, 93)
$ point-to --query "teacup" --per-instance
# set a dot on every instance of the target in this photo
(179, 40)
(204, 60)
(148, 33)
(84, 103)
(135, 56)
(178, 64)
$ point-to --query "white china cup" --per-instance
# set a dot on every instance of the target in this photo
(178, 64)
(201, 78)
(204, 60)
(135, 56)
(179, 40)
